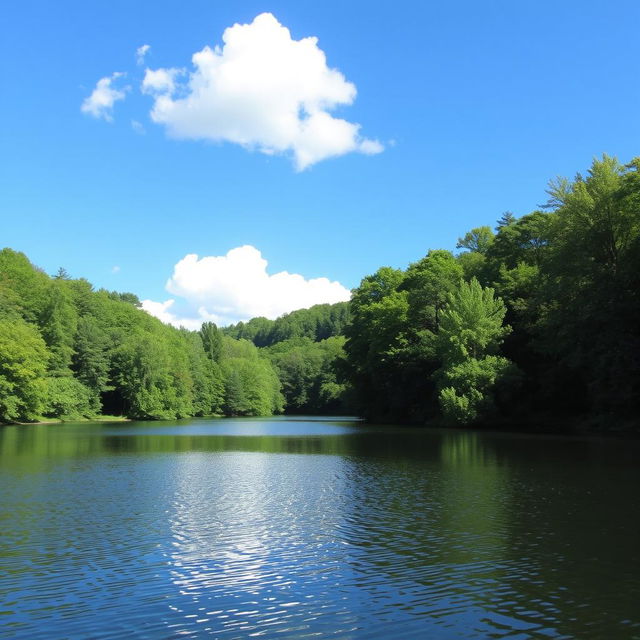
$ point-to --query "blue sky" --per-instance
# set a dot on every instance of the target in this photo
(477, 106)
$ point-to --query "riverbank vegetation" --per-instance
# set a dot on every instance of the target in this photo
(67, 351)
(538, 317)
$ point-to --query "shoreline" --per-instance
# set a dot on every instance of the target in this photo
(576, 428)
(100, 418)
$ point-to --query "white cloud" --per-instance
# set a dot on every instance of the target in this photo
(138, 127)
(262, 90)
(236, 286)
(161, 310)
(141, 52)
(100, 103)
(115, 269)
(160, 81)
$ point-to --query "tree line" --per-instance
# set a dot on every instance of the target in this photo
(537, 319)
(67, 351)
(318, 323)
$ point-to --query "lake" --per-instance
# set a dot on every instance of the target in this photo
(296, 527)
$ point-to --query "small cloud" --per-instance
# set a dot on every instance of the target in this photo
(141, 52)
(371, 147)
(100, 103)
(160, 81)
(237, 286)
(138, 127)
(115, 269)
(262, 90)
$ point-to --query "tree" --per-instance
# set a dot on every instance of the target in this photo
(477, 240)
(524, 240)
(590, 324)
(252, 387)
(211, 340)
(375, 339)
(307, 373)
(208, 384)
(23, 364)
(129, 298)
(505, 220)
(58, 322)
(142, 374)
(68, 399)
(235, 402)
(390, 341)
(251, 383)
(22, 284)
(90, 360)
(428, 283)
(470, 333)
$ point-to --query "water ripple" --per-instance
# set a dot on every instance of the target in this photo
(450, 537)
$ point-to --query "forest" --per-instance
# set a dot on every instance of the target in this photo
(69, 352)
(537, 323)
(534, 321)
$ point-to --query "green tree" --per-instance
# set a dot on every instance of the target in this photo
(505, 220)
(62, 274)
(142, 374)
(376, 337)
(129, 298)
(428, 283)
(524, 240)
(211, 340)
(470, 333)
(23, 364)
(307, 373)
(477, 240)
(58, 322)
(23, 284)
(68, 399)
(252, 387)
(235, 403)
(208, 383)
(90, 359)
(590, 325)
(251, 384)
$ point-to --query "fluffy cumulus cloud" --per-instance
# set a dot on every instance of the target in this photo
(263, 90)
(237, 286)
(100, 103)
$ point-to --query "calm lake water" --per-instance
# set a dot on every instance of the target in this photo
(315, 528)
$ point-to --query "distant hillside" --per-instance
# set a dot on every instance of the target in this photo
(318, 323)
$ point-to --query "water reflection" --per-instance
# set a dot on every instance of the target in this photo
(255, 545)
(314, 528)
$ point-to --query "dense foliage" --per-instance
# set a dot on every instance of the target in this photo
(540, 319)
(307, 371)
(317, 323)
(67, 351)
(306, 349)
